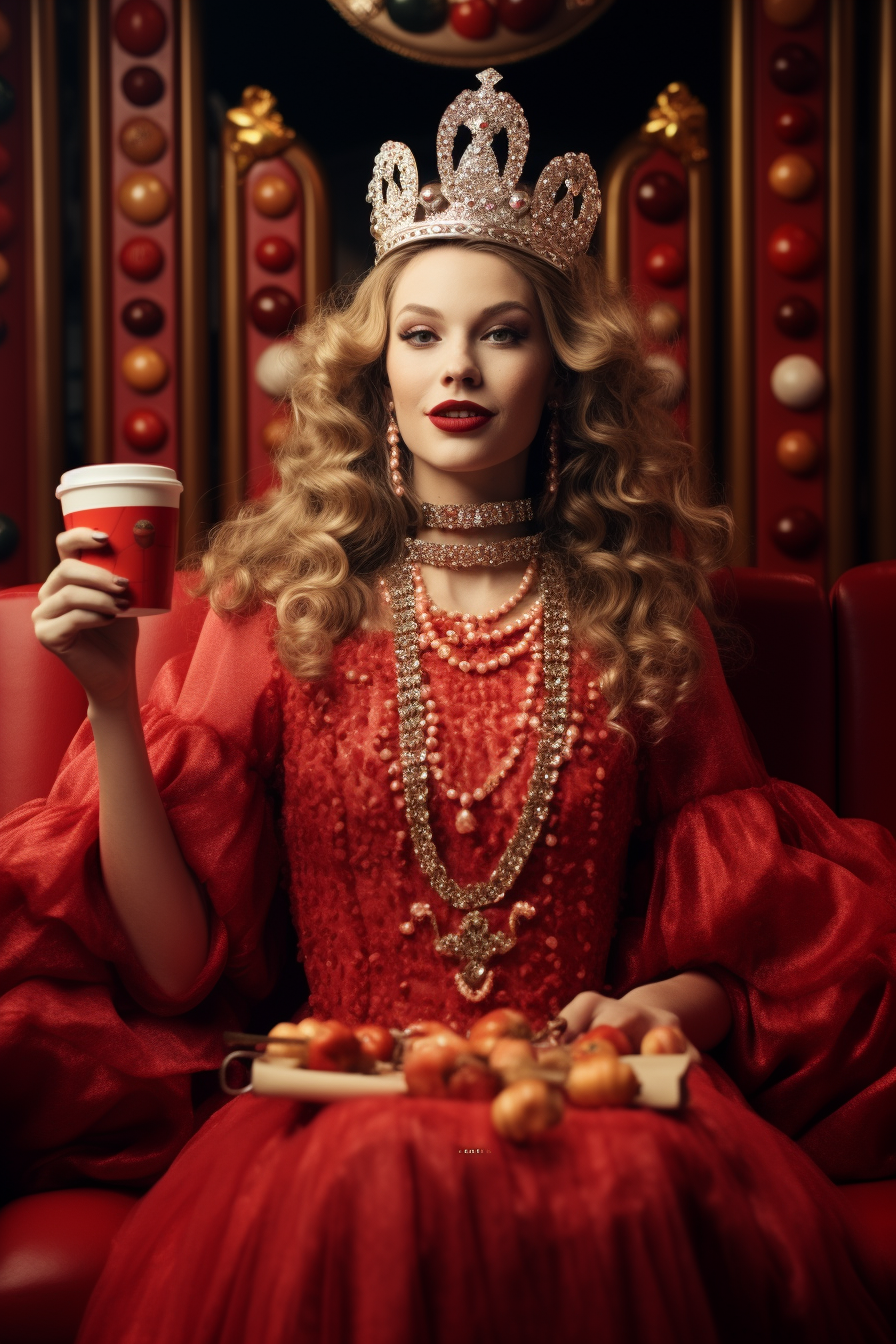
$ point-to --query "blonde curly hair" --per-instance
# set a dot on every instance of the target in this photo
(637, 542)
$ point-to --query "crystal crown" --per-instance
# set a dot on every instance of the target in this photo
(476, 199)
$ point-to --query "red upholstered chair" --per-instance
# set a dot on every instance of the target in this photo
(50, 1254)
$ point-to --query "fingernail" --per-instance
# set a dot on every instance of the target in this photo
(100, 536)
(119, 579)
(122, 602)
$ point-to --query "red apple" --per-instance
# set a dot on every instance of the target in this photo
(471, 1080)
(377, 1043)
(664, 1041)
(511, 1052)
(602, 1080)
(334, 1048)
(595, 1041)
(297, 1047)
(526, 1108)
(428, 1065)
(489, 1029)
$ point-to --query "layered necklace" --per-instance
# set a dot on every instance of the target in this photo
(476, 645)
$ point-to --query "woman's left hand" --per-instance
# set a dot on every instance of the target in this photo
(633, 1014)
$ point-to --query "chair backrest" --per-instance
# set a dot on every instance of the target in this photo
(785, 689)
(864, 607)
(41, 704)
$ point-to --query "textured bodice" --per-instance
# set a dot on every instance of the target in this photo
(354, 875)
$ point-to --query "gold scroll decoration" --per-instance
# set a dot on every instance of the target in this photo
(255, 131)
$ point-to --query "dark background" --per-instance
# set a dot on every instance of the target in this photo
(344, 96)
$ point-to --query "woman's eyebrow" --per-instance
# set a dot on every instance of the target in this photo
(486, 313)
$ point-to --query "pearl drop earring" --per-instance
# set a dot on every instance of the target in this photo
(393, 439)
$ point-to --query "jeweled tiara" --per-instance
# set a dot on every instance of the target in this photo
(476, 199)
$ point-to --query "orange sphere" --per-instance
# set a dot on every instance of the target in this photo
(143, 198)
(797, 452)
(274, 433)
(144, 369)
(788, 13)
(4, 271)
(143, 140)
(272, 195)
(5, 33)
(792, 176)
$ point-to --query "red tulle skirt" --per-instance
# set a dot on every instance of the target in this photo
(409, 1221)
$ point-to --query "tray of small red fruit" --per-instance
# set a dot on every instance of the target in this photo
(528, 1077)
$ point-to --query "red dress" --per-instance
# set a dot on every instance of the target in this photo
(372, 1222)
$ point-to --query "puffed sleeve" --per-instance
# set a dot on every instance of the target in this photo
(793, 910)
(96, 1060)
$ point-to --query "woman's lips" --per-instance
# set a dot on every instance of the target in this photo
(465, 420)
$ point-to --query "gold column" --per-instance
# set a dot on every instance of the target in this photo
(193, 297)
(841, 289)
(96, 244)
(45, 374)
(884, 291)
(738, 286)
(232, 352)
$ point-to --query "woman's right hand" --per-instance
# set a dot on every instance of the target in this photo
(77, 619)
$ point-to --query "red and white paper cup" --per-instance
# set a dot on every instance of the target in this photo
(137, 506)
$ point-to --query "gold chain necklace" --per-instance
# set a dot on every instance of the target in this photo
(548, 758)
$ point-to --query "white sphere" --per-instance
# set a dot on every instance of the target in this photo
(673, 379)
(277, 368)
(798, 382)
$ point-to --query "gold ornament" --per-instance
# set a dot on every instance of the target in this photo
(474, 944)
(256, 131)
(678, 122)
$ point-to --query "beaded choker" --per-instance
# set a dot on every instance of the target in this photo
(466, 556)
(463, 517)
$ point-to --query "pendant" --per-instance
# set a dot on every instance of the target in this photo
(465, 822)
(475, 945)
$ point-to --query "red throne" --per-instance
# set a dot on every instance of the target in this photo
(816, 691)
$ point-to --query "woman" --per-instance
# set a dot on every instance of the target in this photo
(423, 764)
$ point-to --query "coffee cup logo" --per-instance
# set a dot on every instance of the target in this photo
(144, 533)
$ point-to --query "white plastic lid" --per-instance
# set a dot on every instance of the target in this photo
(117, 473)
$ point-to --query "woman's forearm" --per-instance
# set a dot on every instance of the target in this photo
(698, 1001)
(148, 883)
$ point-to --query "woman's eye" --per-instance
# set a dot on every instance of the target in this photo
(504, 336)
(418, 336)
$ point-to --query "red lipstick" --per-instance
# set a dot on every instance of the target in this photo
(467, 416)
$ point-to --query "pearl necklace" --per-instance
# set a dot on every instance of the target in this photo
(551, 727)
(473, 634)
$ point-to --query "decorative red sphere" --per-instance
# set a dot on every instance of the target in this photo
(797, 532)
(793, 250)
(140, 27)
(142, 317)
(660, 196)
(796, 317)
(665, 265)
(474, 19)
(145, 431)
(521, 15)
(142, 85)
(141, 258)
(275, 254)
(5, 161)
(7, 222)
(273, 310)
(795, 124)
(793, 68)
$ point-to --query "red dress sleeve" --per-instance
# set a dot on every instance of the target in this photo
(793, 911)
(96, 1060)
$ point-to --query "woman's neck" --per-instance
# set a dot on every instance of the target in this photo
(480, 589)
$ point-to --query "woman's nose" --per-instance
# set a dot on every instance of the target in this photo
(461, 367)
